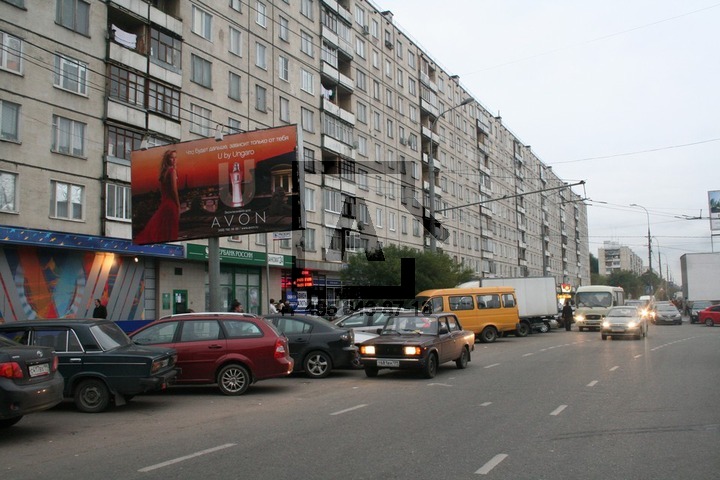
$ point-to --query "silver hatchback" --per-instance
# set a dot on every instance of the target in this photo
(625, 321)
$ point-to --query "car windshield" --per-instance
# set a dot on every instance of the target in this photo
(419, 325)
(667, 308)
(109, 336)
(593, 299)
(622, 312)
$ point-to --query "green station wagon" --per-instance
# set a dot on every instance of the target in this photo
(99, 362)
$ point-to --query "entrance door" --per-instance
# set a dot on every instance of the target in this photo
(180, 301)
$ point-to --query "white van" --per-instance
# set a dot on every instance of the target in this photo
(592, 303)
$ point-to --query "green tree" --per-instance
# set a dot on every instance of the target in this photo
(628, 280)
(432, 270)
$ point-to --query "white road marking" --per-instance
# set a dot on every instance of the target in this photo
(486, 404)
(614, 368)
(494, 462)
(638, 356)
(558, 410)
(362, 405)
(493, 365)
(186, 457)
(528, 354)
(592, 384)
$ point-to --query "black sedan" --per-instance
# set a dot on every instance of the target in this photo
(29, 381)
(316, 345)
(99, 362)
(417, 342)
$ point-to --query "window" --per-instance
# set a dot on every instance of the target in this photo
(165, 49)
(306, 8)
(416, 227)
(200, 120)
(66, 200)
(260, 58)
(284, 68)
(235, 42)
(403, 225)
(10, 53)
(361, 80)
(379, 217)
(309, 199)
(309, 239)
(260, 98)
(117, 202)
(236, 5)
(234, 86)
(391, 221)
(121, 142)
(360, 47)
(234, 126)
(9, 121)
(261, 239)
(307, 118)
(201, 71)
(362, 145)
(284, 109)
(284, 29)
(309, 160)
(362, 179)
(347, 169)
(306, 43)
(261, 17)
(70, 75)
(201, 23)
(68, 136)
(73, 14)
(360, 16)
(333, 201)
(361, 112)
(308, 82)
(8, 192)
(164, 100)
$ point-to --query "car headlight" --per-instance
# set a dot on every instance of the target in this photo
(367, 349)
(632, 324)
(606, 324)
(411, 350)
(579, 318)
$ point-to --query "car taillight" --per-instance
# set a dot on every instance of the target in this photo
(55, 363)
(280, 350)
(11, 370)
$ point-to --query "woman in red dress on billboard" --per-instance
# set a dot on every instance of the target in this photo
(163, 225)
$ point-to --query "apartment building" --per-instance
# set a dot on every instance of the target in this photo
(613, 257)
(383, 127)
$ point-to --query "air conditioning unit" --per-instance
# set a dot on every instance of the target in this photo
(403, 141)
(366, 30)
(389, 44)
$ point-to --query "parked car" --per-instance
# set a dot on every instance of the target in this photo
(316, 345)
(710, 316)
(667, 313)
(369, 320)
(29, 381)
(418, 342)
(624, 321)
(695, 309)
(99, 362)
(232, 350)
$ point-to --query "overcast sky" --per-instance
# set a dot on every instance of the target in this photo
(623, 94)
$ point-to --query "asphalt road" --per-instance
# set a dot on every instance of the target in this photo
(560, 405)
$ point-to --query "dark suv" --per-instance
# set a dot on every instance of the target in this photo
(99, 362)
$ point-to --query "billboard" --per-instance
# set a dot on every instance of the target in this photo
(245, 183)
(714, 204)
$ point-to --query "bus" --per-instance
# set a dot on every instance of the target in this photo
(592, 303)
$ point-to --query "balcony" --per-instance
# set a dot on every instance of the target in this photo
(342, 114)
(128, 57)
(334, 146)
(425, 79)
(483, 125)
(125, 114)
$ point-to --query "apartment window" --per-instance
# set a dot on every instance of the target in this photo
(261, 239)
(374, 28)
(411, 59)
(400, 105)
(117, 202)
(361, 112)
(260, 58)
(361, 80)
(260, 98)
(200, 120)
(307, 118)
(68, 136)
(71, 75)
(308, 82)
(306, 8)
(166, 49)
(235, 42)
(375, 59)
(403, 225)
(309, 160)
(389, 98)
(388, 68)
(309, 239)
(412, 86)
(201, 71)
(347, 170)
(9, 121)
(164, 100)
(10, 53)
(379, 217)
(376, 121)
(390, 125)
(73, 14)
(201, 23)
(360, 47)
(378, 185)
(391, 190)
(391, 221)
(121, 142)
(236, 5)
(399, 76)
(362, 145)
(376, 90)
(284, 68)
(284, 109)
(412, 110)
(261, 17)
(234, 86)
(310, 199)
(332, 201)
(416, 227)
(415, 169)
(284, 31)
(306, 43)
(362, 179)
(66, 200)
(363, 214)
(360, 16)
(8, 192)
(234, 125)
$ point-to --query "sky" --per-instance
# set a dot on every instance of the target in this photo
(622, 94)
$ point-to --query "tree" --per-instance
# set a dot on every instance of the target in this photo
(628, 280)
(432, 270)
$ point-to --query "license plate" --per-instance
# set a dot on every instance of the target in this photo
(38, 370)
(388, 363)
(618, 329)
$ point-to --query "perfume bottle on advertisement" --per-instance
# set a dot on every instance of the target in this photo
(236, 180)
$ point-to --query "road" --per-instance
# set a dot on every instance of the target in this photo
(561, 405)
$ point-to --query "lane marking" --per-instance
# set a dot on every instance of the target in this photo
(186, 457)
(493, 365)
(441, 384)
(558, 410)
(486, 404)
(362, 405)
(528, 354)
(638, 356)
(614, 368)
(592, 384)
(494, 462)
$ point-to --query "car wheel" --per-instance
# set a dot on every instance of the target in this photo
(371, 372)
(603, 336)
(523, 329)
(544, 328)
(317, 365)
(488, 335)
(430, 366)
(92, 396)
(9, 422)
(464, 358)
(709, 322)
(233, 379)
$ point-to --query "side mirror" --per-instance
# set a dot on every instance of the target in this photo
(379, 331)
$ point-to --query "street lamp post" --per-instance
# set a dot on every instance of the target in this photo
(649, 237)
(431, 169)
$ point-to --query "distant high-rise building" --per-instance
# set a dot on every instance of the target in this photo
(614, 257)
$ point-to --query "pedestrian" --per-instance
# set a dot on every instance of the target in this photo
(567, 314)
(236, 306)
(272, 308)
(99, 311)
